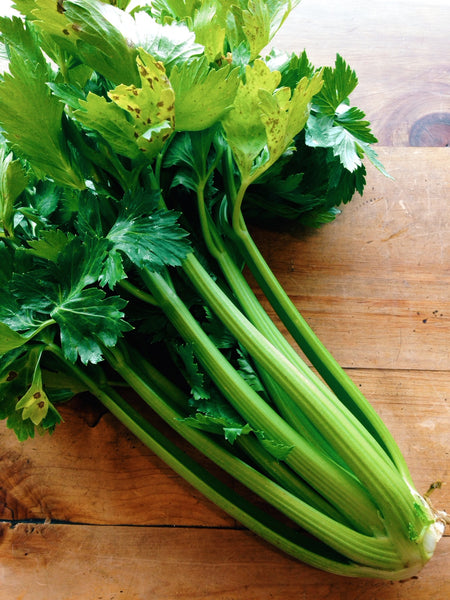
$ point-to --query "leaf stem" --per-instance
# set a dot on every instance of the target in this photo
(334, 483)
(327, 366)
(375, 551)
(372, 557)
(349, 438)
(137, 292)
(287, 405)
(41, 327)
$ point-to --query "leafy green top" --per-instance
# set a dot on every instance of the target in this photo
(111, 117)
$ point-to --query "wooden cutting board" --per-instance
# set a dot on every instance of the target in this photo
(91, 514)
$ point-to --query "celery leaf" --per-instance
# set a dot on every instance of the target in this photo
(145, 235)
(285, 114)
(138, 120)
(244, 129)
(13, 181)
(34, 403)
(333, 124)
(149, 238)
(202, 95)
(31, 117)
(266, 118)
(64, 292)
(23, 398)
(338, 83)
(87, 321)
(229, 428)
(95, 31)
(87, 318)
(51, 243)
(171, 43)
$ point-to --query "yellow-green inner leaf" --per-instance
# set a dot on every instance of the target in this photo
(34, 403)
(151, 106)
(243, 126)
(285, 116)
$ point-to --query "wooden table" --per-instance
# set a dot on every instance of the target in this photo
(90, 514)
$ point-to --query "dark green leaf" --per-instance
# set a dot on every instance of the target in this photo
(332, 124)
(24, 430)
(113, 270)
(217, 332)
(277, 448)
(219, 425)
(192, 152)
(21, 316)
(353, 120)
(89, 320)
(338, 83)
(305, 185)
(80, 264)
(50, 245)
(291, 66)
(6, 264)
(34, 291)
(349, 139)
(247, 372)
(89, 221)
(149, 238)
(193, 373)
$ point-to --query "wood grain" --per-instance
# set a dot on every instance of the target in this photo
(399, 51)
(374, 285)
(101, 475)
(64, 562)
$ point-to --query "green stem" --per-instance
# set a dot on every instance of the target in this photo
(236, 214)
(287, 405)
(212, 241)
(377, 552)
(366, 556)
(292, 542)
(356, 446)
(334, 483)
(163, 386)
(278, 471)
(327, 366)
(41, 327)
(137, 292)
(174, 396)
(389, 488)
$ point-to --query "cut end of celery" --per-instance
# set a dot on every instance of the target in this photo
(432, 535)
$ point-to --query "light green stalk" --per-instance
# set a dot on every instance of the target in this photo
(327, 366)
(366, 556)
(340, 488)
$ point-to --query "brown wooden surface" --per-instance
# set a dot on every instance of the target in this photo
(375, 285)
